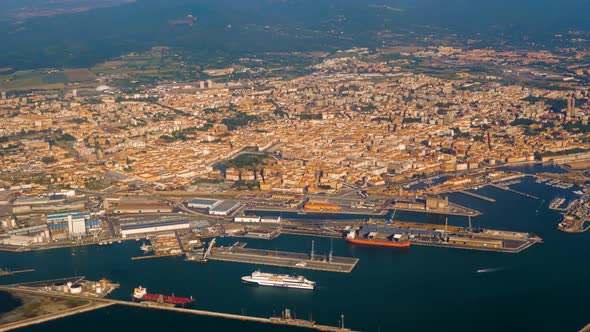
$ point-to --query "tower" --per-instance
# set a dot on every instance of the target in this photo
(3, 95)
(571, 106)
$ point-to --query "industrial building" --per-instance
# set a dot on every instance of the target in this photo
(256, 219)
(30, 200)
(225, 208)
(18, 240)
(142, 207)
(30, 234)
(410, 204)
(71, 224)
(203, 203)
(247, 219)
(163, 226)
(437, 203)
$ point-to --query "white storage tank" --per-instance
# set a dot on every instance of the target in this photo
(75, 288)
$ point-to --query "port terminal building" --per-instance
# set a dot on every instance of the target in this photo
(154, 227)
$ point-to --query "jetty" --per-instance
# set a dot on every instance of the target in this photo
(556, 203)
(50, 317)
(7, 272)
(96, 303)
(472, 194)
(514, 191)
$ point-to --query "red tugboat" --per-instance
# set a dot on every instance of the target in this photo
(141, 294)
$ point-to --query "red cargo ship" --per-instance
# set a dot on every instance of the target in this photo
(140, 293)
(354, 237)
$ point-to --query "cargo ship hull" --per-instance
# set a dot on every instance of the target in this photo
(166, 299)
(142, 295)
(378, 243)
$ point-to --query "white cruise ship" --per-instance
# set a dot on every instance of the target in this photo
(278, 280)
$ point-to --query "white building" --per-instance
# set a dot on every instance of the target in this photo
(163, 226)
(202, 203)
(74, 222)
(247, 219)
(225, 208)
(256, 219)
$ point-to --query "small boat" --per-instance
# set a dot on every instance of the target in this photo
(493, 269)
(145, 248)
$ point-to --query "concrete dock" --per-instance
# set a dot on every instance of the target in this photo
(239, 254)
(103, 302)
(459, 237)
(50, 317)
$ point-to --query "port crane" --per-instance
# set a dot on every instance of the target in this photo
(390, 221)
(208, 251)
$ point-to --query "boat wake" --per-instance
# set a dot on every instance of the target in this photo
(493, 269)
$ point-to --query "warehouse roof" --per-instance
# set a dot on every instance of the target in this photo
(154, 224)
(226, 206)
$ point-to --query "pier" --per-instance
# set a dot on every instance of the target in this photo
(7, 272)
(458, 237)
(453, 210)
(97, 303)
(514, 191)
(472, 194)
(238, 253)
(138, 258)
(556, 203)
(50, 317)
